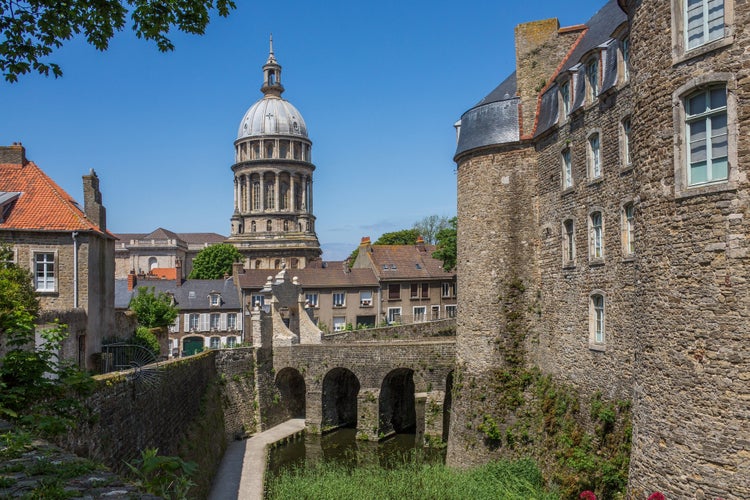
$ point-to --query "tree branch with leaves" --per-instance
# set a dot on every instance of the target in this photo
(31, 30)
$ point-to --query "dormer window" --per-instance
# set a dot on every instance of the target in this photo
(625, 52)
(592, 78)
(214, 299)
(564, 99)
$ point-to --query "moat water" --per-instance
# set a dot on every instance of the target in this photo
(340, 447)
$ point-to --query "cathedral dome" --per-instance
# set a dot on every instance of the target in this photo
(272, 115)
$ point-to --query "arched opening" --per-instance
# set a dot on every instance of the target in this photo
(397, 412)
(447, 405)
(151, 263)
(192, 345)
(291, 386)
(340, 389)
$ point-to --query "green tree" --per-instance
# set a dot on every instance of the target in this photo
(27, 391)
(403, 237)
(446, 245)
(30, 30)
(430, 226)
(153, 310)
(214, 262)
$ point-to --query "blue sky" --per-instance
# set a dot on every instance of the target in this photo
(379, 85)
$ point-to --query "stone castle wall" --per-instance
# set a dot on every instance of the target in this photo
(676, 308)
(692, 420)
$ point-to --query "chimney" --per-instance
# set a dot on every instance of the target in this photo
(92, 201)
(178, 270)
(365, 244)
(14, 154)
(420, 244)
(131, 280)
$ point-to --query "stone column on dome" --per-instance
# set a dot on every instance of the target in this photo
(262, 191)
(292, 192)
(310, 204)
(304, 193)
(277, 191)
(236, 205)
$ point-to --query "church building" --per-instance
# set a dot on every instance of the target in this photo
(273, 222)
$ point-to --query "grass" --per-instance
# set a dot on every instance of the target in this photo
(413, 480)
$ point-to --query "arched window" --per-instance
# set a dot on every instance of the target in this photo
(252, 227)
(256, 195)
(269, 225)
(269, 149)
(597, 321)
(284, 196)
(258, 264)
(596, 236)
(594, 157)
(269, 195)
(569, 243)
(277, 264)
(286, 225)
(152, 263)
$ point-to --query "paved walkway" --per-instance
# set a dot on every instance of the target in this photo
(243, 467)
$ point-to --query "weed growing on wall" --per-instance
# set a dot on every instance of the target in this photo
(167, 477)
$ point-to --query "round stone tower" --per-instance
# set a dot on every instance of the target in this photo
(273, 222)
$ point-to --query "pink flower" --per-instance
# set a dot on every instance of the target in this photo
(656, 496)
(587, 495)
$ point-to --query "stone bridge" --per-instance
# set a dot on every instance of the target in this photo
(380, 381)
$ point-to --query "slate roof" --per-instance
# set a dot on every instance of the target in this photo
(42, 204)
(164, 234)
(309, 278)
(406, 262)
(494, 120)
(184, 300)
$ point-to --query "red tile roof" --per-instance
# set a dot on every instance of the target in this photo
(399, 262)
(43, 205)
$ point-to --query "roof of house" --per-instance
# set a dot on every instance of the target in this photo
(309, 278)
(406, 262)
(192, 295)
(42, 205)
(164, 234)
(495, 119)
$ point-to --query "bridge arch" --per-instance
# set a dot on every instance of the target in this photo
(340, 390)
(396, 407)
(291, 386)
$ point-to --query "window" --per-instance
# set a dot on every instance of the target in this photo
(252, 227)
(312, 299)
(215, 299)
(704, 22)
(339, 299)
(214, 321)
(625, 51)
(44, 272)
(420, 314)
(339, 323)
(597, 335)
(257, 300)
(231, 321)
(365, 298)
(706, 136)
(628, 224)
(569, 243)
(596, 250)
(8, 258)
(594, 157)
(394, 315)
(567, 169)
(565, 99)
(420, 290)
(450, 311)
(625, 131)
(435, 312)
(592, 78)
(256, 197)
(215, 342)
(231, 341)
(448, 289)
(269, 149)
(269, 225)
(270, 199)
(193, 321)
(394, 291)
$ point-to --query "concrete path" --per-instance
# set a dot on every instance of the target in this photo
(243, 467)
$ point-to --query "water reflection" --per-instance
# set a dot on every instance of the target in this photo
(341, 447)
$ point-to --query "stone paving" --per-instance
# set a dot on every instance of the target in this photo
(242, 470)
(33, 468)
